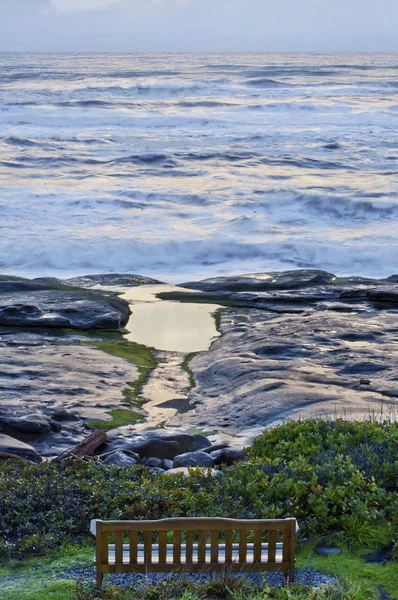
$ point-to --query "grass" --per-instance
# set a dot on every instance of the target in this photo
(351, 565)
(33, 579)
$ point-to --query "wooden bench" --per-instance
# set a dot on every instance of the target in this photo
(198, 544)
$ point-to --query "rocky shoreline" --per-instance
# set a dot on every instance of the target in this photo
(293, 344)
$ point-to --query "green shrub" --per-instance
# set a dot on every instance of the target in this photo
(229, 588)
(311, 470)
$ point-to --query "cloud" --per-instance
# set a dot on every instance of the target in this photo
(73, 6)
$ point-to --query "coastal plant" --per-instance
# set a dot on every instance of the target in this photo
(285, 474)
(231, 588)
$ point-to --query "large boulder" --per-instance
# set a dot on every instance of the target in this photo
(12, 446)
(154, 447)
(193, 459)
(25, 303)
(187, 442)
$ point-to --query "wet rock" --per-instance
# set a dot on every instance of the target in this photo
(215, 447)
(168, 446)
(227, 456)
(63, 415)
(382, 556)
(154, 462)
(33, 304)
(187, 442)
(156, 469)
(12, 446)
(34, 424)
(193, 459)
(328, 550)
(155, 447)
(110, 280)
(283, 280)
(383, 296)
(119, 458)
(167, 464)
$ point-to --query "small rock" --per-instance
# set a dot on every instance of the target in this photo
(364, 381)
(193, 459)
(119, 458)
(227, 456)
(380, 556)
(63, 415)
(154, 462)
(328, 550)
(156, 470)
(167, 464)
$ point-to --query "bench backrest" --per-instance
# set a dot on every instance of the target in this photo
(208, 544)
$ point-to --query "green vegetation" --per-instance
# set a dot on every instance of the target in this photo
(45, 578)
(144, 359)
(217, 317)
(187, 368)
(352, 566)
(329, 475)
(120, 417)
(229, 588)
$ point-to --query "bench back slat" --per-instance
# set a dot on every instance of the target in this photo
(214, 537)
(119, 547)
(189, 547)
(242, 545)
(177, 547)
(133, 547)
(271, 546)
(162, 546)
(202, 539)
(228, 546)
(147, 547)
(258, 535)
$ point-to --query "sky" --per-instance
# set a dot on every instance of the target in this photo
(198, 25)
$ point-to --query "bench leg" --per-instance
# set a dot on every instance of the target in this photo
(288, 577)
(100, 577)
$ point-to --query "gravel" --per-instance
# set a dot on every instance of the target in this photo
(86, 574)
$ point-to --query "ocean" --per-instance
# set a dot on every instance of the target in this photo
(183, 166)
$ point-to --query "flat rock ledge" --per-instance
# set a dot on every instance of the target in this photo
(43, 303)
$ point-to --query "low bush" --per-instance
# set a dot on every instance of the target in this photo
(317, 471)
(228, 588)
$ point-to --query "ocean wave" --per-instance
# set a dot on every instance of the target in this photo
(264, 82)
(347, 209)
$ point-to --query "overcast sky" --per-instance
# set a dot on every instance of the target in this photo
(198, 25)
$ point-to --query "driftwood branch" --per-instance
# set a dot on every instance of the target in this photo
(87, 447)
